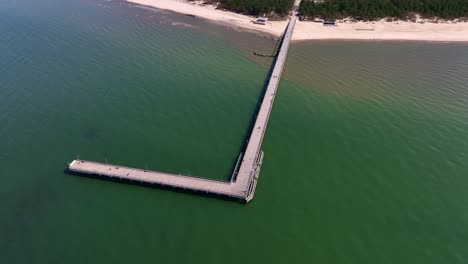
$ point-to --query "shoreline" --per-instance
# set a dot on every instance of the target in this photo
(305, 30)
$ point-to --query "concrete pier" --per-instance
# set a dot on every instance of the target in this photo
(154, 177)
(244, 178)
(251, 162)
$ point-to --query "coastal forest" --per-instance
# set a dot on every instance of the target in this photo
(376, 9)
(258, 7)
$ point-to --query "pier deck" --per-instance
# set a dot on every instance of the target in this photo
(243, 183)
(161, 178)
(251, 161)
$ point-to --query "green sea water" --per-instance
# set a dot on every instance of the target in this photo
(365, 155)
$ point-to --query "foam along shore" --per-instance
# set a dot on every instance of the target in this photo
(305, 30)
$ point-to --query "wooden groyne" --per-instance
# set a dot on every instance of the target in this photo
(244, 178)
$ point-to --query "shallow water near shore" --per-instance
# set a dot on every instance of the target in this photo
(365, 154)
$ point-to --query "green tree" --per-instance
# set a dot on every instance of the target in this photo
(375, 9)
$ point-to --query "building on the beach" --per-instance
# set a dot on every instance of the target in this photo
(330, 23)
(261, 20)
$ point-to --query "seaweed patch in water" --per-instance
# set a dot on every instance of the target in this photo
(91, 134)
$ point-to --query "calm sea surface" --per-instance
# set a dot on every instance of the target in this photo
(366, 155)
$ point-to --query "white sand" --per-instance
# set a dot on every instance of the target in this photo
(379, 30)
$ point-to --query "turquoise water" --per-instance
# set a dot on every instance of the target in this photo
(365, 155)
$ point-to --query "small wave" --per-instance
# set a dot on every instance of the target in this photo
(182, 24)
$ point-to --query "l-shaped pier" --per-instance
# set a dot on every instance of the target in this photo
(244, 178)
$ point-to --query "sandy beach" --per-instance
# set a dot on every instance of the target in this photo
(305, 30)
